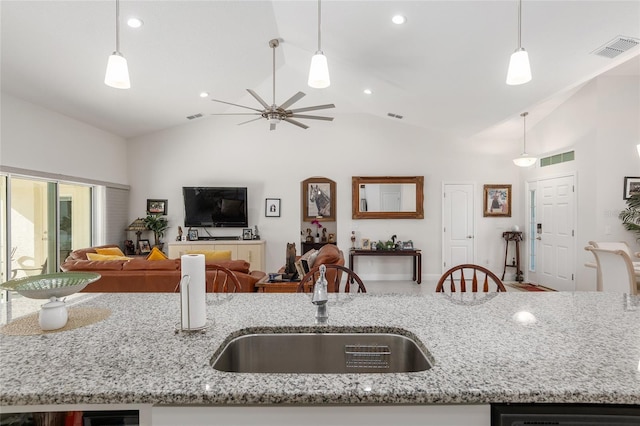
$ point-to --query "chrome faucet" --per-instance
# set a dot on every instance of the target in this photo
(320, 297)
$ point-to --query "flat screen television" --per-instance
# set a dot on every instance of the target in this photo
(215, 207)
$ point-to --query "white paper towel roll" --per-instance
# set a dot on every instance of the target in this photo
(194, 304)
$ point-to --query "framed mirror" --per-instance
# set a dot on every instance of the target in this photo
(387, 197)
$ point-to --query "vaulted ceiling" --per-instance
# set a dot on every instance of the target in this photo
(443, 70)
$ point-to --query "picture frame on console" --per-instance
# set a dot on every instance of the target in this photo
(144, 246)
(157, 207)
(272, 207)
(497, 201)
(193, 235)
(318, 199)
(247, 234)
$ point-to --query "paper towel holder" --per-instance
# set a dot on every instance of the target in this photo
(186, 280)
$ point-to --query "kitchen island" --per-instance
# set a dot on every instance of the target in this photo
(551, 347)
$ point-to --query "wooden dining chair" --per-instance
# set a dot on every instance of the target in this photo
(333, 280)
(469, 277)
(615, 270)
(223, 280)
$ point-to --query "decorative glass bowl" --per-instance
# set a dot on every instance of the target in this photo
(46, 286)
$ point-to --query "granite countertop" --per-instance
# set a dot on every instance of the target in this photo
(582, 348)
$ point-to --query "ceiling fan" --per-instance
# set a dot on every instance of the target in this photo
(273, 113)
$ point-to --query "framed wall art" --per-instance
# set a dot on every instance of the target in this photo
(631, 186)
(157, 206)
(497, 201)
(192, 235)
(318, 199)
(272, 207)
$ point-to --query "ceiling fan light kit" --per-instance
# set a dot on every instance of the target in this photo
(117, 74)
(519, 71)
(319, 69)
(273, 113)
(525, 160)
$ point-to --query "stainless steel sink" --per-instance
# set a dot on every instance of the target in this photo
(321, 353)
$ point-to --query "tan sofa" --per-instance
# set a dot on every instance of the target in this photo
(155, 276)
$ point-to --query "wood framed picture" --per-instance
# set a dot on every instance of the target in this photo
(272, 207)
(366, 244)
(631, 186)
(157, 206)
(144, 246)
(193, 235)
(247, 234)
(318, 199)
(497, 201)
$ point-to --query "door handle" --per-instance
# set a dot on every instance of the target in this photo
(469, 236)
(539, 238)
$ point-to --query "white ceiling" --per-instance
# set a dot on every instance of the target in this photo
(444, 70)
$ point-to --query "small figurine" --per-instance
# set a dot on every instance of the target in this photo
(309, 238)
(332, 238)
(353, 239)
(179, 237)
(324, 235)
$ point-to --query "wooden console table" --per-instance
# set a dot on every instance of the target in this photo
(416, 254)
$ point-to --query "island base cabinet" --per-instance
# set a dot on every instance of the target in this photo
(423, 415)
(77, 414)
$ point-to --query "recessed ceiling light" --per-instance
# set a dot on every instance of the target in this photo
(399, 19)
(134, 22)
(204, 94)
(367, 91)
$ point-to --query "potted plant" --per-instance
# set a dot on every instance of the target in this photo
(158, 224)
(631, 215)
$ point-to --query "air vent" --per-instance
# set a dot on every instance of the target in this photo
(194, 116)
(399, 117)
(558, 158)
(616, 46)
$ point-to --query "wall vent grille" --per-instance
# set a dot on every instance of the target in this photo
(557, 158)
(194, 116)
(399, 117)
(616, 46)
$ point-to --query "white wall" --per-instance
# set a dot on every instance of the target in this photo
(216, 151)
(36, 138)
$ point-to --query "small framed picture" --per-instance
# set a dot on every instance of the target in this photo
(631, 186)
(272, 207)
(366, 244)
(193, 235)
(157, 206)
(497, 201)
(407, 245)
(247, 234)
(144, 246)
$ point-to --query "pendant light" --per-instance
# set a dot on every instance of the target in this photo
(117, 74)
(519, 69)
(525, 160)
(319, 70)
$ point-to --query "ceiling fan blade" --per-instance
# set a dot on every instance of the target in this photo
(292, 100)
(259, 99)
(272, 126)
(312, 117)
(249, 121)
(297, 123)
(241, 106)
(312, 108)
(238, 113)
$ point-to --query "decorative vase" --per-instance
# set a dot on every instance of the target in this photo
(316, 239)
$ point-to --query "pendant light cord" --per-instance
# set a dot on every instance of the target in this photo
(319, 23)
(519, 24)
(524, 132)
(118, 26)
(274, 74)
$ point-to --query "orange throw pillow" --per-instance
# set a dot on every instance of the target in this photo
(156, 254)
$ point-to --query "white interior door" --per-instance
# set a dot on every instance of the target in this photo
(555, 233)
(457, 225)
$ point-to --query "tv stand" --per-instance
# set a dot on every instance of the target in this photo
(223, 238)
